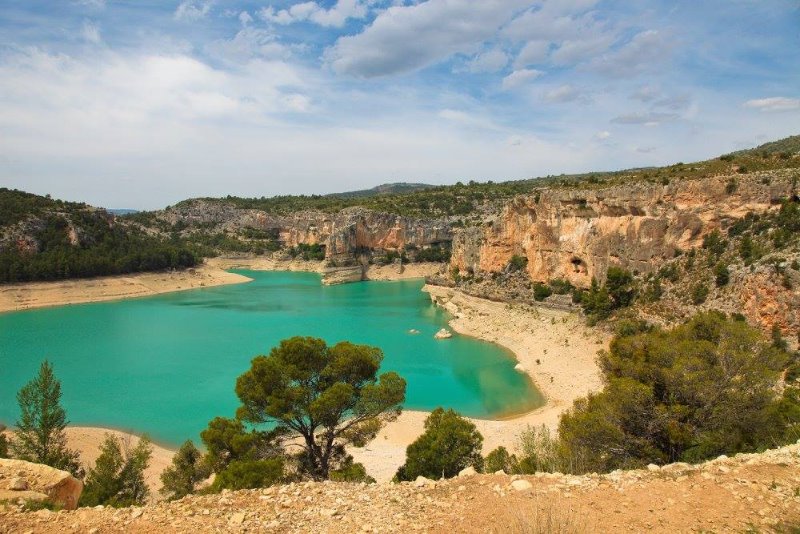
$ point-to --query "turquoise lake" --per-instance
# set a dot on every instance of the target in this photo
(166, 365)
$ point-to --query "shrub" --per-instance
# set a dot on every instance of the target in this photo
(500, 460)
(351, 472)
(731, 186)
(721, 274)
(620, 287)
(541, 451)
(449, 444)
(249, 474)
(3, 442)
(714, 243)
(186, 470)
(699, 293)
(541, 291)
(699, 390)
(517, 263)
(561, 286)
(117, 478)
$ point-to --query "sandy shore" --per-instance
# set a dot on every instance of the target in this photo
(555, 348)
(15, 297)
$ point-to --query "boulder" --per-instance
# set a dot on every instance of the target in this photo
(521, 485)
(444, 333)
(27, 480)
(421, 481)
(467, 472)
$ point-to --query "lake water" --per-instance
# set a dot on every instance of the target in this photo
(167, 364)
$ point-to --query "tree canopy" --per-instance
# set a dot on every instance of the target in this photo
(117, 479)
(449, 444)
(329, 396)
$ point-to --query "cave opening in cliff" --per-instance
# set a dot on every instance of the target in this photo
(578, 265)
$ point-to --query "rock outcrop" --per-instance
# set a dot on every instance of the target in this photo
(576, 234)
(37, 482)
(748, 492)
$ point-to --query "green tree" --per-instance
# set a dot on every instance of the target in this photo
(721, 274)
(329, 396)
(449, 444)
(117, 478)
(699, 390)
(226, 441)
(501, 460)
(620, 287)
(187, 469)
(40, 435)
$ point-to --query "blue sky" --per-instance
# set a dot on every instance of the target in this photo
(141, 103)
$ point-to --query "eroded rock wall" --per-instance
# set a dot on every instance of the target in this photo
(577, 234)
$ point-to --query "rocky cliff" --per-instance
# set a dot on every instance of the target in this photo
(577, 233)
(343, 235)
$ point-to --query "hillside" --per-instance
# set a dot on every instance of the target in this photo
(747, 493)
(46, 239)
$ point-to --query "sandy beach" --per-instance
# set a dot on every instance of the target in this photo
(16, 297)
(555, 348)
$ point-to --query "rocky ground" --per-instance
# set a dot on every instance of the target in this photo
(747, 493)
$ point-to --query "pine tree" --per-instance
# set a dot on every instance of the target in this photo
(117, 478)
(186, 471)
(40, 435)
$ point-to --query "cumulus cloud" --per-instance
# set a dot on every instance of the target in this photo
(409, 37)
(248, 43)
(775, 103)
(245, 18)
(491, 60)
(313, 12)
(192, 10)
(520, 77)
(602, 135)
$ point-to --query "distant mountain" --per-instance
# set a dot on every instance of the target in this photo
(397, 188)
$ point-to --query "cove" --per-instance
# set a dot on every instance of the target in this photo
(167, 364)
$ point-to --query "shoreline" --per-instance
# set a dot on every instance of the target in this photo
(554, 348)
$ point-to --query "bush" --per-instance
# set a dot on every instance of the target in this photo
(541, 452)
(186, 470)
(541, 291)
(449, 444)
(687, 394)
(721, 275)
(699, 293)
(517, 263)
(117, 478)
(500, 460)
(714, 243)
(351, 472)
(249, 474)
(3, 442)
(620, 287)
(561, 286)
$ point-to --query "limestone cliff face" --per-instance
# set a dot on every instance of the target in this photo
(577, 234)
(343, 234)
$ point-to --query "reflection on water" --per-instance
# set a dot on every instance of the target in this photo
(167, 364)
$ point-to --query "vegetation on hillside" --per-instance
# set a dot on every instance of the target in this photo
(117, 478)
(69, 240)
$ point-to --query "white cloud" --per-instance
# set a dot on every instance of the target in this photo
(775, 103)
(575, 51)
(192, 10)
(248, 43)
(563, 93)
(245, 18)
(96, 4)
(313, 12)
(90, 32)
(491, 60)
(605, 134)
(409, 37)
(646, 119)
(520, 77)
(534, 52)
(646, 93)
(644, 52)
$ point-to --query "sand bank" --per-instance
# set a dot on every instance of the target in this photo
(555, 348)
(15, 297)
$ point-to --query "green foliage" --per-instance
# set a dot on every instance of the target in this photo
(687, 394)
(117, 478)
(449, 444)
(351, 472)
(699, 293)
(620, 287)
(104, 247)
(329, 396)
(500, 460)
(249, 474)
(187, 469)
(517, 263)
(721, 274)
(714, 243)
(541, 452)
(3, 442)
(561, 286)
(40, 436)
(541, 291)
(439, 254)
(227, 440)
(315, 252)
(731, 186)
